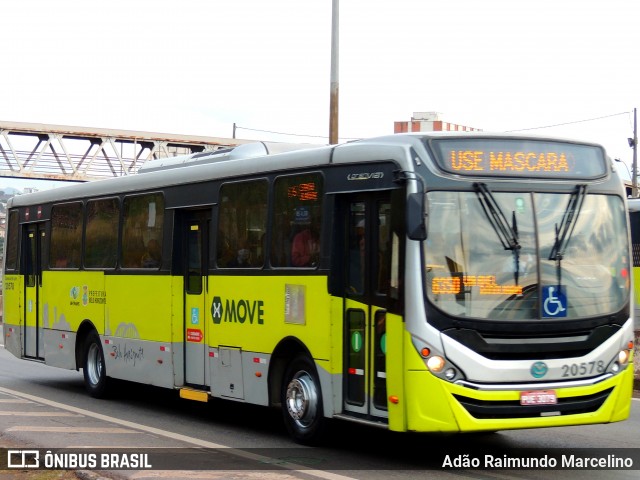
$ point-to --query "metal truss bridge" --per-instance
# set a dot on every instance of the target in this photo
(56, 152)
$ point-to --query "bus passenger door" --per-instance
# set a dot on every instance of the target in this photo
(367, 256)
(195, 240)
(32, 241)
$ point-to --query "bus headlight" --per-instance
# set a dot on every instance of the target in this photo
(625, 354)
(436, 363)
(623, 357)
(441, 368)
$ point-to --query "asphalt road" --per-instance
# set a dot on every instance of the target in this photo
(44, 407)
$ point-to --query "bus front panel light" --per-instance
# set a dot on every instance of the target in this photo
(623, 357)
(450, 373)
(436, 363)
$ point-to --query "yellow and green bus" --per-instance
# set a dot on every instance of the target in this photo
(634, 224)
(417, 282)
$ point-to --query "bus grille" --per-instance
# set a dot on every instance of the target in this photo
(533, 346)
(486, 409)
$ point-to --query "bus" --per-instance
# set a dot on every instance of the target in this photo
(634, 222)
(432, 282)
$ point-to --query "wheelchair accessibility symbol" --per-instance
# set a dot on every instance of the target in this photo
(554, 302)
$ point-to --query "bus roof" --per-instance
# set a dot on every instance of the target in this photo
(258, 157)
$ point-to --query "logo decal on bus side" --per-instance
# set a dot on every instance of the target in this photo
(240, 311)
(365, 176)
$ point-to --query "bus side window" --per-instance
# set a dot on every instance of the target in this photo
(384, 249)
(143, 222)
(66, 235)
(12, 241)
(101, 233)
(242, 223)
(295, 239)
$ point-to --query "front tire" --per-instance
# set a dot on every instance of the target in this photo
(302, 401)
(93, 366)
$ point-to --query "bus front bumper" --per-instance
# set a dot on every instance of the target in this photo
(434, 405)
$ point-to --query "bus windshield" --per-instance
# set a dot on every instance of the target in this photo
(526, 256)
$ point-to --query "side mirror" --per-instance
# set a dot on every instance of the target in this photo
(416, 226)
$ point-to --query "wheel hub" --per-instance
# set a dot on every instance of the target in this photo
(302, 399)
(94, 364)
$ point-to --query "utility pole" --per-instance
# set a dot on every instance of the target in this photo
(333, 102)
(633, 143)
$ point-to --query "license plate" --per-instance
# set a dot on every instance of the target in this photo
(538, 397)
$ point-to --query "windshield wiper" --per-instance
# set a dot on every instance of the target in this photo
(568, 223)
(507, 234)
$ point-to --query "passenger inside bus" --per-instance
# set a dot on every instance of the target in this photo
(242, 258)
(305, 250)
(152, 258)
(224, 252)
(68, 259)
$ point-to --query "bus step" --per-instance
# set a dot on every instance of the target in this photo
(197, 395)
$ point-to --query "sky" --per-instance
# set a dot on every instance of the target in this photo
(197, 67)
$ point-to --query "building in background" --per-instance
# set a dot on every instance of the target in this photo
(429, 122)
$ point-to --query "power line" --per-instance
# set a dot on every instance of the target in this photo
(506, 131)
(569, 123)
(280, 133)
(290, 134)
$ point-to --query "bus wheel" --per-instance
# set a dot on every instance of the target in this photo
(302, 401)
(95, 375)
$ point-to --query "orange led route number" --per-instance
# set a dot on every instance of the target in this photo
(303, 191)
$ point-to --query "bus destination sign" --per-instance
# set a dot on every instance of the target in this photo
(518, 157)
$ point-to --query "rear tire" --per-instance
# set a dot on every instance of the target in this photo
(94, 369)
(302, 401)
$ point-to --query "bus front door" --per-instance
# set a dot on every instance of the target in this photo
(195, 239)
(368, 258)
(32, 242)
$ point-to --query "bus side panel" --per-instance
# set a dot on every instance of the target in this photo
(13, 315)
(253, 314)
(137, 329)
(261, 311)
(59, 349)
(69, 298)
(332, 380)
(177, 330)
(395, 373)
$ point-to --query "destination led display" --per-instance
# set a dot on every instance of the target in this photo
(458, 284)
(303, 191)
(521, 158)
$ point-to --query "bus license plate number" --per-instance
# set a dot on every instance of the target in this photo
(538, 397)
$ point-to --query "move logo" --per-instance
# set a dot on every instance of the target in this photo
(237, 311)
